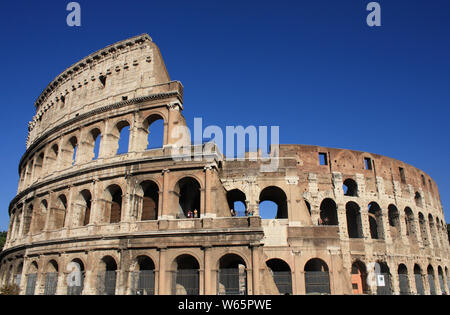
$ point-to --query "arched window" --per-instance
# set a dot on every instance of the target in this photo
(281, 273)
(394, 221)
(123, 132)
(31, 278)
(27, 220)
(94, 141)
(432, 229)
(82, 215)
(419, 280)
(188, 190)
(52, 159)
(70, 149)
(350, 188)
(237, 202)
(51, 278)
(418, 199)
(155, 127)
(410, 225)
(431, 280)
(328, 212)
(58, 216)
(354, 225)
(232, 279)
(113, 198)
(39, 165)
(403, 279)
(144, 278)
(75, 281)
(106, 282)
(273, 203)
(18, 274)
(376, 221)
(423, 230)
(359, 276)
(441, 280)
(317, 278)
(186, 276)
(150, 201)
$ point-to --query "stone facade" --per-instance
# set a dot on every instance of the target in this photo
(124, 218)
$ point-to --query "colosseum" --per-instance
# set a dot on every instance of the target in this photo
(91, 218)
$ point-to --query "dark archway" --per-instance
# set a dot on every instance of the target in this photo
(188, 190)
(186, 277)
(328, 212)
(276, 196)
(282, 276)
(354, 224)
(232, 277)
(317, 278)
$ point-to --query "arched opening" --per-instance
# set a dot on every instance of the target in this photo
(186, 277)
(423, 230)
(384, 286)
(76, 278)
(18, 274)
(441, 280)
(31, 278)
(51, 278)
(70, 149)
(237, 202)
(359, 276)
(350, 188)
(150, 201)
(188, 191)
(232, 278)
(432, 229)
(431, 280)
(113, 209)
(59, 213)
(39, 165)
(418, 277)
(123, 133)
(27, 220)
(144, 278)
(273, 203)
(94, 141)
(394, 221)
(376, 221)
(282, 276)
(85, 200)
(418, 199)
(410, 224)
(308, 206)
(354, 225)
(155, 127)
(52, 159)
(41, 216)
(317, 278)
(106, 282)
(403, 280)
(328, 212)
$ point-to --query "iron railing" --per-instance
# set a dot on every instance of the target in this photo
(317, 282)
(386, 289)
(232, 282)
(73, 289)
(185, 282)
(106, 283)
(143, 282)
(31, 284)
(283, 281)
(419, 284)
(404, 284)
(51, 283)
(431, 284)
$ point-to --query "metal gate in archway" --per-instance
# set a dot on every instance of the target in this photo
(144, 282)
(232, 281)
(386, 288)
(51, 282)
(404, 284)
(431, 284)
(283, 281)
(419, 284)
(106, 284)
(317, 282)
(185, 282)
(31, 284)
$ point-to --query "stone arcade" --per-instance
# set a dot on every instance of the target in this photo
(123, 218)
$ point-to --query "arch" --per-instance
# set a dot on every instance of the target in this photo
(40, 216)
(382, 270)
(410, 223)
(441, 280)
(423, 229)
(375, 221)
(122, 132)
(75, 284)
(237, 202)
(39, 165)
(232, 276)
(51, 278)
(317, 278)
(359, 276)
(144, 277)
(188, 191)
(432, 229)
(278, 197)
(394, 221)
(154, 125)
(328, 212)
(418, 277)
(282, 276)
(70, 151)
(418, 199)
(58, 215)
(52, 158)
(31, 278)
(27, 219)
(18, 274)
(431, 280)
(106, 282)
(150, 201)
(85, 203)
(186, 277)
(403, 279)
(354, 224)
(350, 188)
(113, 209)
(94, 141)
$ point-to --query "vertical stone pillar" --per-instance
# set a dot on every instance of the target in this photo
(255, 269)
(208, 286)
(165, 209)
(174, 110)
(162, 281)
(208, 211)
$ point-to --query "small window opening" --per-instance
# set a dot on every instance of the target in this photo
(402, 175)
(368, 163)
(323, 159)
(102, 79)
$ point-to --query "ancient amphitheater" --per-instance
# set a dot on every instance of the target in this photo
(139, 221)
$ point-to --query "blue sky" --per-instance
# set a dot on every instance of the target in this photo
(314, 68)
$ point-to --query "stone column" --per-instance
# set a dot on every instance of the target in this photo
(208, 211)
(165, 209)
(255, 269)
(162, 281)
(208, 286)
